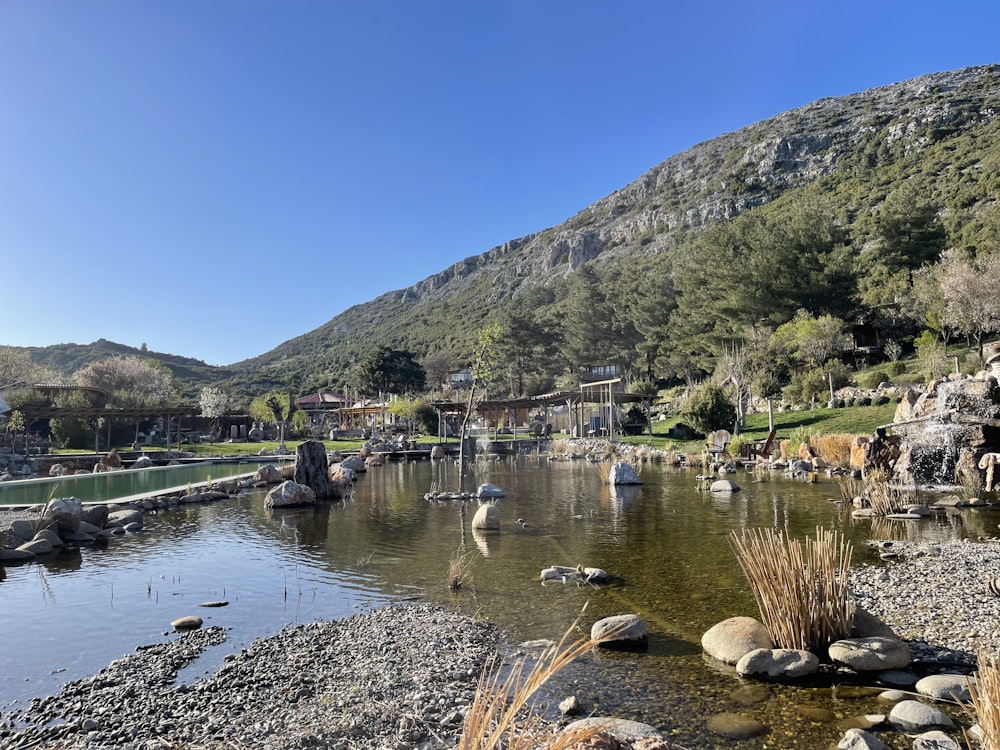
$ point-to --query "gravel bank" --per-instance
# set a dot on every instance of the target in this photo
(935, 597)
(398, 677)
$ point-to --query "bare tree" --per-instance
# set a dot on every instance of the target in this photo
(971, 292)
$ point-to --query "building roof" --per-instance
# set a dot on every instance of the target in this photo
(321, 399)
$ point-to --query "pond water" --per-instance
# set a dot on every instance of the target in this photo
(664, 544)
(115, 485)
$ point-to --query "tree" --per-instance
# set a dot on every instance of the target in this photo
(483, 367)
(131, 382)
(909, 235)
(274, 407)
(215, 404)
(709, 409)
(971, 294)
(383, 371)
(809, 340)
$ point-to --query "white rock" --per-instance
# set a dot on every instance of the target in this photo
(730, 640)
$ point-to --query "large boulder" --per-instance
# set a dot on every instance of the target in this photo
(915, 716)
(354, 463)
(871, 654)
(289, 494)
(66, 512)
(312, 468)
(626, 632)
(623, 473)
(487, 518)
(267, 474)
(143, 462)
(732, 639)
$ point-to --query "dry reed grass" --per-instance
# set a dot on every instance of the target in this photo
(881, 496)
(834, 449)
(985, 692)
(504, 711)
(802, 594)
(458, 569)
(850, 488)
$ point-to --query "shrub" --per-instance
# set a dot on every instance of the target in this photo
(894, 369)
(881, 400)
(862, 401)
(709, 409)
(872, 379)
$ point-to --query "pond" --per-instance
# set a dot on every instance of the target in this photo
(664, 544)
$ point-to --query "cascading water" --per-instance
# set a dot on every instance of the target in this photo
(946, 429)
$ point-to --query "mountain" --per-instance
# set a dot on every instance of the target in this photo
(937, 132)
(934, 137)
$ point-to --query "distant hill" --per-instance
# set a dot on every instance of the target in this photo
(65, 359)
(938, 135)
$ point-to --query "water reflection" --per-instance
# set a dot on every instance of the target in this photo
(664, 544)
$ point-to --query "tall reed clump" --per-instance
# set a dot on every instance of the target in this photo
(834, 449)
(504, 713)
(882, 497)
(985, 698)
(802, 593)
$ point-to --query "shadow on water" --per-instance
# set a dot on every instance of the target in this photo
(665, 545)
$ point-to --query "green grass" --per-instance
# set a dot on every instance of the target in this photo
(855, 420)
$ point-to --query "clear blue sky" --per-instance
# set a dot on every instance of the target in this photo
(214, 177)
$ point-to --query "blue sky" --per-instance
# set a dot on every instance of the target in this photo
(214, 177)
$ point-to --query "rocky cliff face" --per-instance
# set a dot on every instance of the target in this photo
(712, 181)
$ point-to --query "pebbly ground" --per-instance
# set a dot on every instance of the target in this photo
(935, 596)
(397, 677)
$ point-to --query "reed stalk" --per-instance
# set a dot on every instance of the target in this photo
(834, 449)
(802, 593)
(504, 713)
(985, 699)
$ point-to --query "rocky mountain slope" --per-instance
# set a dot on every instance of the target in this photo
(937, 131)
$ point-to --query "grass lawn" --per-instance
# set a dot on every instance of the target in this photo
(854, 420)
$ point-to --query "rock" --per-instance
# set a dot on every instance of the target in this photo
(627, 632)
(15, 555)
(96, 515)
(570, 706)
(946, 687)
(873, 654)
(736, 726)
(123, 517)
(50, 536)
(267, 474)
(133, 527)
(56, 470)
(935, 740)
(312, 468)
(438, 452)
(622, 730)
(490, 492)
(65, 511)
(859, 739)
(189, 622)
(897, 678)
(37, 547)
(777, 663)
(342, 476)
(143, 462)
(731, 639)
(914, 716)
(25, 530)
(623, 473)
(354, 463)
(289, 494)
(219, 603)
(487, 518)
(867, 625)
(724, 486)
(88, 528)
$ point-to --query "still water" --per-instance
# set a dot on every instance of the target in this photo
(664, 545)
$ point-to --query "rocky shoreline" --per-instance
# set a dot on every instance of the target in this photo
(397, 677)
